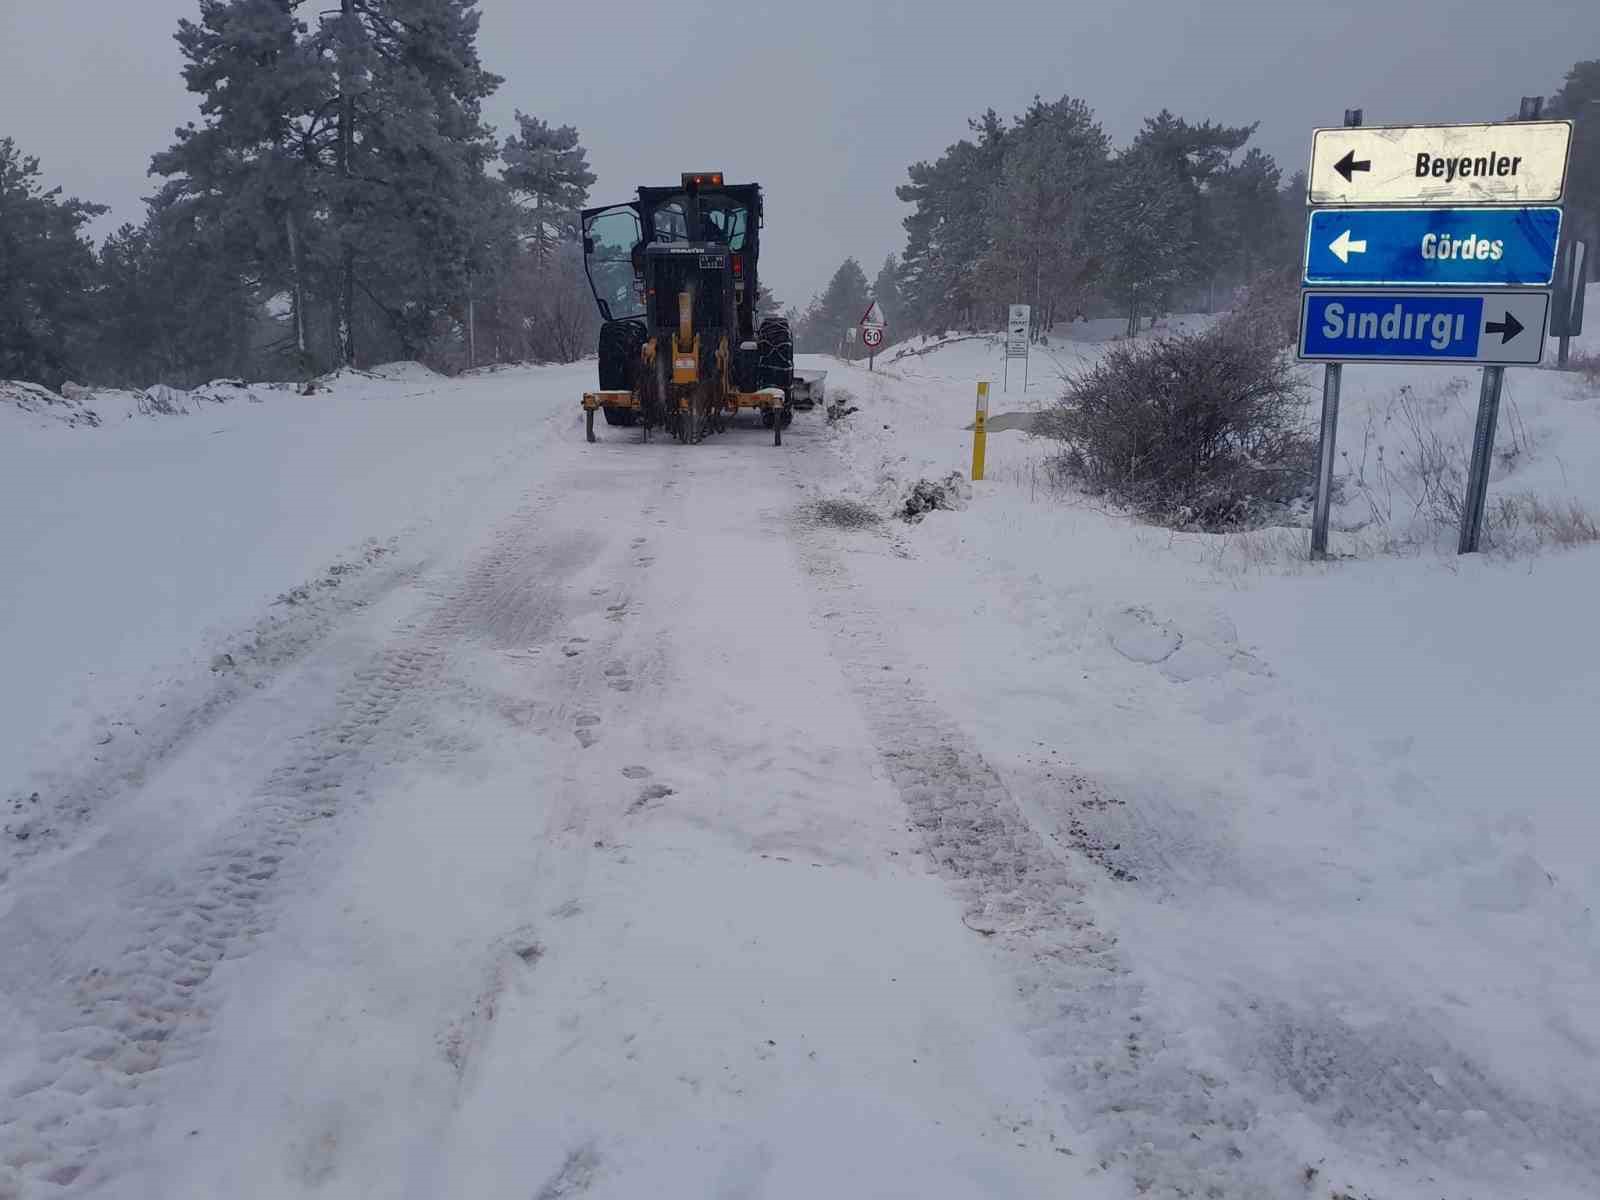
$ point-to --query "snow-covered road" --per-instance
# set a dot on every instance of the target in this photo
(552, 856)
(611, 820)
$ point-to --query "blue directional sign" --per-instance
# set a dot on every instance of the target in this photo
(1454, 247)
(1427, 326)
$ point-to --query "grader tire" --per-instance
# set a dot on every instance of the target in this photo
(775, 355)
(620, 343)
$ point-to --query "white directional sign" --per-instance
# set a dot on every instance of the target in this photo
(1017, 322)
(1510, 163)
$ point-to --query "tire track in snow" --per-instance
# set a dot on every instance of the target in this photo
(1398, 1093)
(1174, 1129)
(116, 1028)
(75, 793)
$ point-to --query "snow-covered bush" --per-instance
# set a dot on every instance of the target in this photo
(1205, 430)
(1269, 308)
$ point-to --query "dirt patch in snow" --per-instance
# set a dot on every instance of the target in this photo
(840, 512)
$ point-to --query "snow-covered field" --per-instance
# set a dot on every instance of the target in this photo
(431, 804)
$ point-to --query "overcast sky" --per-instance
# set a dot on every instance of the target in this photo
(825, 102)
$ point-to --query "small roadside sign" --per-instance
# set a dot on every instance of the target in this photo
(872, 327)
(1509, 163)
(1451, 247)
(1019, 323)
(1495, 327)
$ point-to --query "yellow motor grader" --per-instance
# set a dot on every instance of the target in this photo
(674, 275)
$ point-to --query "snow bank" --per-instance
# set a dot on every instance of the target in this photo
(91, 407)
(39, 405)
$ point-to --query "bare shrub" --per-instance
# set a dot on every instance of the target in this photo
(1587, 366)
(1413, 476)
(1270, 309)
(1523, 519)
(1204, 430)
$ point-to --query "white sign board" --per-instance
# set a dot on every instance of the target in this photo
(1521, 162)
(1017, 323)
(873, 315)
(872, 335)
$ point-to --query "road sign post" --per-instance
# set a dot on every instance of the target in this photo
(1566, 313)
(1482, 453)
(1431, 243)
(1332, 376)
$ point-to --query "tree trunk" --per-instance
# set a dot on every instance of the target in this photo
(299, 290)
(347, 141)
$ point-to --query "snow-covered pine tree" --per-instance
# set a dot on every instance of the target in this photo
(886, 290)
(1138, 231)
(46, 273)
(547, 170)
(1055, 164)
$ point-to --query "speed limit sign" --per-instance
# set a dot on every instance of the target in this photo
(872, 337)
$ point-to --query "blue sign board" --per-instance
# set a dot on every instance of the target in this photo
(1426, 326)
(1453, 247)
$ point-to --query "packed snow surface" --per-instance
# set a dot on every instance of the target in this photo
(407, 798)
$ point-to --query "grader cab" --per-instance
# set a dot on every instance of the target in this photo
(674, 274)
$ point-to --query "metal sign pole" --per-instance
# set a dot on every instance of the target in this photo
(1332, 376)
(1482, 454)
(1488, 414)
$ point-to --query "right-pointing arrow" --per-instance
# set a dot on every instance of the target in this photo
(1344, 246)
(1507, 329)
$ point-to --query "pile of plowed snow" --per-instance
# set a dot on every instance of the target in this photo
(88, 407)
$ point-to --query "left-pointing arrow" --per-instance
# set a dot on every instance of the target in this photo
(1349, 164)
(1344, 246)
(1507, 329)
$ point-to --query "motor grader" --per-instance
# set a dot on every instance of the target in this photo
(674, 276)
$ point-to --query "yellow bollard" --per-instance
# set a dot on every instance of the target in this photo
(979, 436)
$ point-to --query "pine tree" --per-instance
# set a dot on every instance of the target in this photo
(343, 164)
(886, 289)
(1196, 156)
(839, 308)
(1247, 218)
(415, 212)
(548, 174)
(947, 234)
(1138, 233)
(46, 273)
(1579, 99)
(256, 166)
(1055, 163)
